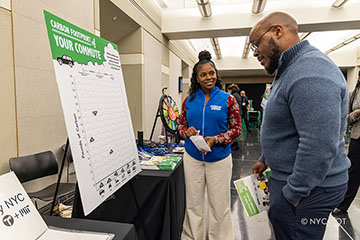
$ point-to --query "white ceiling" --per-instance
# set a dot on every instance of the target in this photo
(182, 22)
(233, 46)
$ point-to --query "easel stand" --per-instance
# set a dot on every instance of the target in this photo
(153, 128)
(59, 177)
(158, 114)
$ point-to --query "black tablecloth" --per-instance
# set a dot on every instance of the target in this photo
(154, 201)
(122, 231)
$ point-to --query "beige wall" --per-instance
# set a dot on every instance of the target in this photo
(153, 84)
(165, 70)
(40, 118)
(175, 72)
(132, 61)
(186, 88)
(133, 74)
(132, 43)
(165, 56)
(164, 80)
(7, 99)
(153, 11)
(186, 74)
(148, 66)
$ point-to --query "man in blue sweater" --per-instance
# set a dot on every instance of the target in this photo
(302, 134)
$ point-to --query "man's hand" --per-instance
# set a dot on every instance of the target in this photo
(259, 168)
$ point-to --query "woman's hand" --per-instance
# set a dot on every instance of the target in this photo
(191, 131)
(357, 112)
(210, 142)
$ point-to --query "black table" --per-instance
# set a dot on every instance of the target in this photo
(154, 201)
(122, 231)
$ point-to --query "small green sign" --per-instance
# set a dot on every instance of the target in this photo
(70, 43)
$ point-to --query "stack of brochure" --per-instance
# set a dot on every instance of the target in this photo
(160, 163)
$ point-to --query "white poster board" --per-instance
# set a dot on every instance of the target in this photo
(19, 217)
(21, 220)
(97, 116)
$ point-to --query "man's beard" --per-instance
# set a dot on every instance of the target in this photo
(274, 57)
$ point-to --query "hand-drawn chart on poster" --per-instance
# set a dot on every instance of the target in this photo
(96, 112)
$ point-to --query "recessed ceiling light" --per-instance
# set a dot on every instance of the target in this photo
(114, 18)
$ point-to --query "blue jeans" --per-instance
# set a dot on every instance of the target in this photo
(308, 219)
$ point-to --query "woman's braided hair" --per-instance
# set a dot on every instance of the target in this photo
(204, 57)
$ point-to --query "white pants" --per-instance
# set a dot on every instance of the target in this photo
(216, 176)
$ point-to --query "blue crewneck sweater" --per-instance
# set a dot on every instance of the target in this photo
(302, 134)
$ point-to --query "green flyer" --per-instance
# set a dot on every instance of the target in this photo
(254, 193)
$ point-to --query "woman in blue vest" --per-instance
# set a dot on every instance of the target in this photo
(214, 114)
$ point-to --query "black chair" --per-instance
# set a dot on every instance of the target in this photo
(36, 166)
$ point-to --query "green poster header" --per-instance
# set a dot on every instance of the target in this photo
(71, 43)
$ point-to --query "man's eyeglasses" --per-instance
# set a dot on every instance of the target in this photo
(254, 45)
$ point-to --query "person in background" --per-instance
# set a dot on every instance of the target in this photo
(302, 133)
(208, 111)
(353, 119)
(245, 107)
(233, 89)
